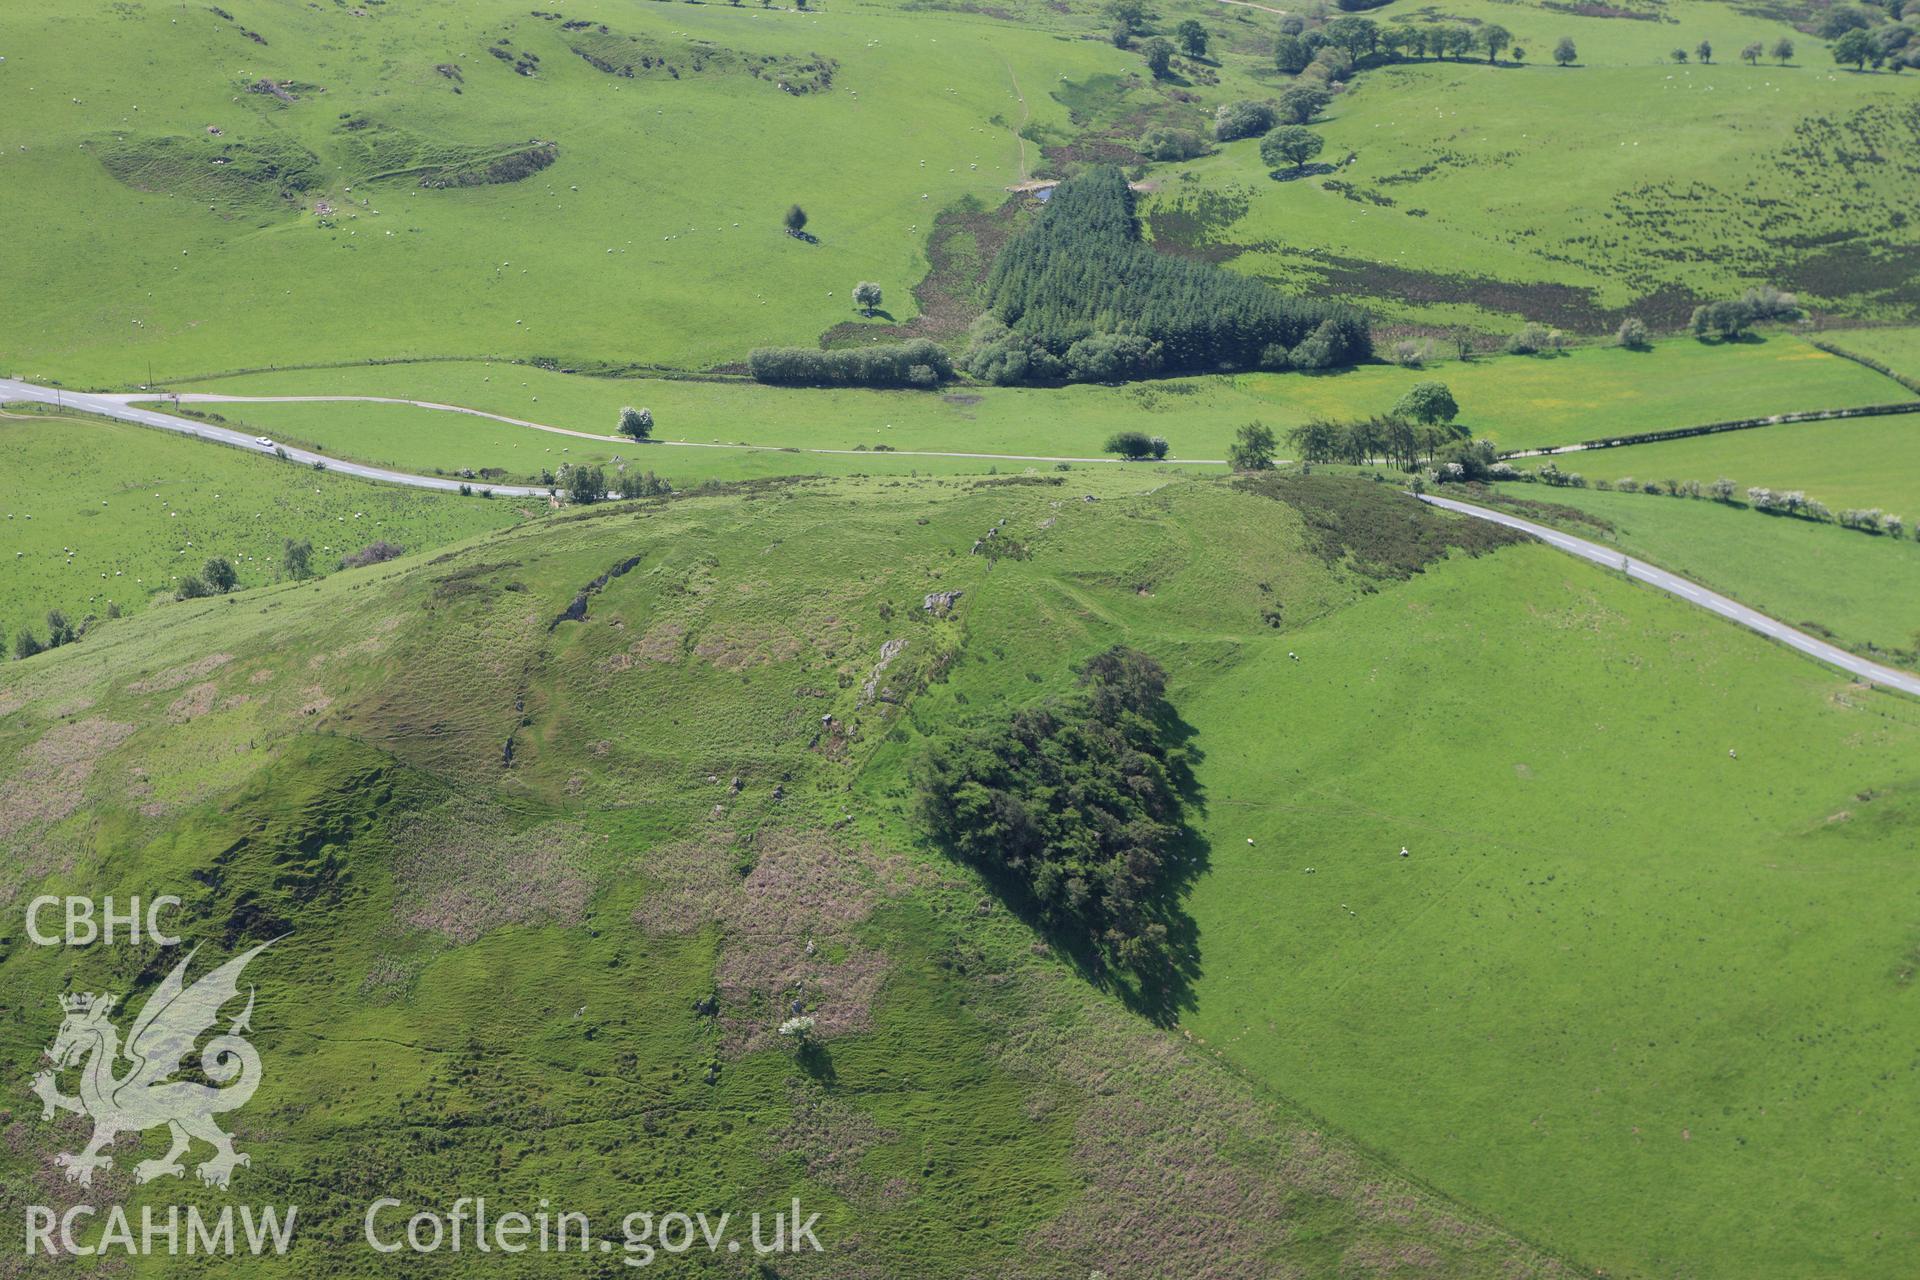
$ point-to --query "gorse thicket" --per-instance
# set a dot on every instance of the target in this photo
(1078, 295)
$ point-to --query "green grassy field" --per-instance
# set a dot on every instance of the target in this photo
(1592, 1000)
(1479, 196)
(371, 155)
(1520, 402)
(1863, 589)
(654, 236)
(1897, 348)
(101, 512)
(1868, 462)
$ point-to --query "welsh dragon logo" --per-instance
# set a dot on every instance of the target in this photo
(147, 1095)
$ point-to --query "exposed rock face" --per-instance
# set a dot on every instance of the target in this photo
(940, 603)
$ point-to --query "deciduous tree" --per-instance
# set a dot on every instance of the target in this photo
(1853, 49)
(1252, 448)
(1290, 144)
(1428, 402)
(296, 559)
(637, 423)
(219, 574)
(1290, 54)
(1159, 57)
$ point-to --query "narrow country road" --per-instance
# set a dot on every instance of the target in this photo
(116, 406)
(120, 404)
(1694, 593)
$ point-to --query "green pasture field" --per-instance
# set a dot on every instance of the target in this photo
(1593, 1000)
(1482, 196)
(1863, 589)
(1864, 462)
(103, 512)
(1897, 348)
(1517, 401)
(654, 236)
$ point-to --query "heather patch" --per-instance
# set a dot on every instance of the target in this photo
(661, 643)
(787, 926)
(831, 1138)
(174, 677)
(1167, 1140)
(53, 773)
(462, 875)
(30, 1144)
(748, 647)
(192, 704)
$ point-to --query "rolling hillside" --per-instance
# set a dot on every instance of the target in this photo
(556, 827)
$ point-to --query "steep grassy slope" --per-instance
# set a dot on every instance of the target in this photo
(282, 184)
(332, 215)
(1475, 194)
(555, 828)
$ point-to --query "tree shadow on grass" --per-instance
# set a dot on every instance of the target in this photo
(1304, 171)
(816, 1060)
